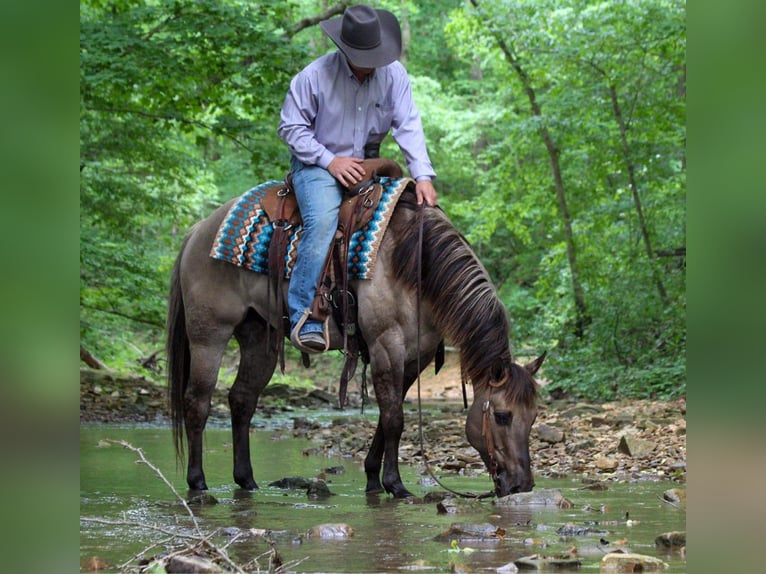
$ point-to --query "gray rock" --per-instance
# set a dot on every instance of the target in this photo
(675, 495)
(635, 447)
(669, 540)
(545, 564)
(467, 531)
(202, 499)
(292, 482)
(540, 497)
(318, 490)
(569, 530)
(549, 434)
(616, 562)
(580, 409)
(331, 531)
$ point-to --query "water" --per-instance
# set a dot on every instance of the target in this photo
(389, 535)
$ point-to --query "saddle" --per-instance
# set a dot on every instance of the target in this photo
(332, 298)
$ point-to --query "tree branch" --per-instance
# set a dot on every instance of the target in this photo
(314, 20)
(125, 316)
(171, 118)
(91, 360)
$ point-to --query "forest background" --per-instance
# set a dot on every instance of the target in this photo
(556, 127)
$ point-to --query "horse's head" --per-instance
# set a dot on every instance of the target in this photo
(499, 423)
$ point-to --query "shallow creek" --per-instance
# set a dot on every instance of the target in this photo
(388, 535)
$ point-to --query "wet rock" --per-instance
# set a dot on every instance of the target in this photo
(466, 531)
(304, 424)
(451, 505)
(544, 563)
(202, 499)
(540, 497)
(435, 496)
(278, 390)
(318, 490)
(617, 562)
(549, 434)
(322, 396)
(635, 447)
(292, 483)
(670, 540)
(509, 568)
(571, 530)
(338, 531)
(185, 564)
(675, 495)
(335, 470)
(595, 485)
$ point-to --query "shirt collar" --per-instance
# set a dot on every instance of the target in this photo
(347, 69)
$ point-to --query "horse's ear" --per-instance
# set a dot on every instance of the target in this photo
(497, 372)
(535, 365)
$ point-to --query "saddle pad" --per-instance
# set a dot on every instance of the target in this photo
(244, 235)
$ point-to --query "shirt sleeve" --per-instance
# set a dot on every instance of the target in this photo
(407, 129)
(297, 121)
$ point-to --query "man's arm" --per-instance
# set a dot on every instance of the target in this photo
(407, 130)
(296, 123)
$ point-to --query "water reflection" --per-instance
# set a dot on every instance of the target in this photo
(388, 535)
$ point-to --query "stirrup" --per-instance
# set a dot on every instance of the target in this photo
(295, 338)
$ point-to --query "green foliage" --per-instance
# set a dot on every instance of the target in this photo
(180, 101)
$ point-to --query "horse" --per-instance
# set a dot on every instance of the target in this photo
(211, 301)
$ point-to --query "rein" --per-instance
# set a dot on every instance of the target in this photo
(485, 420)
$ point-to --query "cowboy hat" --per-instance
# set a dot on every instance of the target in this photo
(368, 37)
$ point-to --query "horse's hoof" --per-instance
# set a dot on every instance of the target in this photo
(399, 492)
(374, 490)
(249, 484)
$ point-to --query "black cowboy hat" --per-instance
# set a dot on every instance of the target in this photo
(368, 37)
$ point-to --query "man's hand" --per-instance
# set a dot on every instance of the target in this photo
(425, 191)
(347, 170)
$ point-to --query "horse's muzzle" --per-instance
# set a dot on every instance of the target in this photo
(504, 487)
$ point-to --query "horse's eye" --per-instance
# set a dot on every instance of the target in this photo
(503, 418)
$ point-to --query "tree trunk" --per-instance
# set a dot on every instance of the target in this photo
(90, 360)
(636, 197)
(581, 311)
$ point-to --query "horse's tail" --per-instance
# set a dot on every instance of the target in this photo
(178, 354)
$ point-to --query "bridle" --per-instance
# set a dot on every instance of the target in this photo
(502, 418)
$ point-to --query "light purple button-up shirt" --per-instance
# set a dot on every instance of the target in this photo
(327, 112)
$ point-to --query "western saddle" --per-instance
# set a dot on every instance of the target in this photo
(333, 296)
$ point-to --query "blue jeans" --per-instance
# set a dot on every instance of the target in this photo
(319, 196)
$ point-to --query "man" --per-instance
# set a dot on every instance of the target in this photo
(337, 111)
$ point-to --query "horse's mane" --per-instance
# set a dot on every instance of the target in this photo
(465, 305)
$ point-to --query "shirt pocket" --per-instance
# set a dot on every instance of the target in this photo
(381, 117)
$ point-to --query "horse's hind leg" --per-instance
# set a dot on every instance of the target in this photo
(203, 374)
(256, 365)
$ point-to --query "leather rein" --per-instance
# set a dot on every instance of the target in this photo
(486, 431)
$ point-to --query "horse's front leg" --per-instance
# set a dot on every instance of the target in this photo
(256, 366)
(373, 461)
(387, 377)
(393, 425)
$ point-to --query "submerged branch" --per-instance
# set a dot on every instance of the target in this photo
(158, 472)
